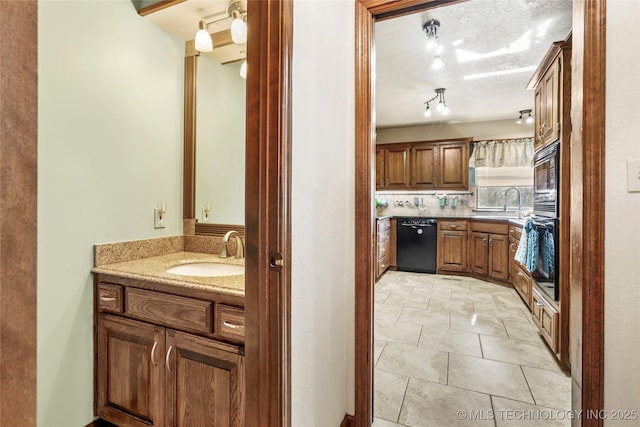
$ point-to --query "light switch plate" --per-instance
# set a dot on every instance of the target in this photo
(158, 220)
(633, 176)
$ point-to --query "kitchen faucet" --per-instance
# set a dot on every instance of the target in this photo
(239, 244)
(519, 201)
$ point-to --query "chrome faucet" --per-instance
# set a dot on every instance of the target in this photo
(519, 201)
(239, 244)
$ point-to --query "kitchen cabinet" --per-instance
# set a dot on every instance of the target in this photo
(452, 246)
(490, 250)
(552, 97)
(161, 360)
(423, 165)
(545, 316)
(384, 248)
(518, 275)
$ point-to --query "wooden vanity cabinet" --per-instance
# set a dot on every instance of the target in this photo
(490, 250)
(151, 374)
(452, 246)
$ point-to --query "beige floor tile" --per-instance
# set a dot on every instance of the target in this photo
(472, 296)
(508, 301)
(387, 312)
(378, 346)
(414, 362)
(479, 324)
(428, 404)
(403, 299)
(388, 395)
(380, 296)
(446, 306)
(526, 353)
(511, 313)
(490, 288)
(549, 388)
(433, 321)
(510, 413)
(526, 331)
(488, 376)
(441, 293)
(406, 333)
(452, 341)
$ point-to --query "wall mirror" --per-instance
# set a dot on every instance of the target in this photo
(215, 117)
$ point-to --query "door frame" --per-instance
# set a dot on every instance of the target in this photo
(588, 143)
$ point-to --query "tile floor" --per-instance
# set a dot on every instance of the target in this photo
(457, 351)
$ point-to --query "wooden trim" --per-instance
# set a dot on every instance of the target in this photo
(587, 162)
(189, 172)
(268, 220)
(348, 421)
(158, 6)
(592, 94)
(217, 230)
(18, 208)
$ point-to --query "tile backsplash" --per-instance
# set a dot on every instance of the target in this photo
(421, 204)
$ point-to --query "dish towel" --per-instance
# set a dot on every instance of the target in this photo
(532, 246)
(547, 253)
(521, 252)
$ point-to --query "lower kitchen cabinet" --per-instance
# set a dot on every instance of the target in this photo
(545, 316)
(384, 251)
(518, 275)
(452, 246)
(490, 250)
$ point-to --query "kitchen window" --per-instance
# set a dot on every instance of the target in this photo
(492, 183)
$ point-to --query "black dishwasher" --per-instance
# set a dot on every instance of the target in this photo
(417, 244)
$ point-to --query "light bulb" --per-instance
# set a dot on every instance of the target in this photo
(440, 106)
(529, 119)
(431, 43)
(437, 63)
(238, 31)
(439, 49)
(519, 121)
(445, 110)
(203, 41)
(243, 70)
(427, 112)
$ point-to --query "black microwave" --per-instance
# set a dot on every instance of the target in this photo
(546, 185)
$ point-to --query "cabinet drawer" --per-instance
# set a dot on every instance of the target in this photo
(522, 284)
(490, 227)
(452, 225)
(230, 321)
(545, 316)
(109, 298)
(515, 232)
(170, 310)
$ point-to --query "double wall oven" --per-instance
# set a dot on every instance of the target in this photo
(546, 182)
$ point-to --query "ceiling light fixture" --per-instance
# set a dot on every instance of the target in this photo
(431, 28)
(442, 103)
(237, 11)
(528, 120)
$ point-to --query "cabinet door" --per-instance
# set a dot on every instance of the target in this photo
(379, 169)
(205, 382)
(423, 166)
(453, 166)
(479, 253)
(452, 251)
(549, 130)
(513, 247)
(539, 119)
(396, 167)
(498, 256)
(129, 386)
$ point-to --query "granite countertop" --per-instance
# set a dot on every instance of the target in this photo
(153, 269)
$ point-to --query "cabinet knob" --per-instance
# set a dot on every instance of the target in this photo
(538, 303)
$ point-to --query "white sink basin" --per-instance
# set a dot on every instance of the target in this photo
(206, 269)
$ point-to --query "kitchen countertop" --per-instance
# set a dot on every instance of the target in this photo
(154, 269)
(511, 220)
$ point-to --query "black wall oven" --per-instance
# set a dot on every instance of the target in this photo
(546, 271)
(546, 181)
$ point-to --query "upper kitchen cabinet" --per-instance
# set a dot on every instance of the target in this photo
(552, 85)
(423, 165)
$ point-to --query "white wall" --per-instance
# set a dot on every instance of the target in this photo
(109, 147)
(622, 222)
(323, 244)
(493, 129)
(220, 141)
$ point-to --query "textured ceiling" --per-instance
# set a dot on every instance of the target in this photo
(478, 36)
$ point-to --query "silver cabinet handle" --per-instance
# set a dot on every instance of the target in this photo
(232, 326)
(538, 303)
(166, 359)
(107, 299)
(153, 353)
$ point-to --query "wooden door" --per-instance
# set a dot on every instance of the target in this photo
(205, 382)
(129, 386)
(498, 265)
(379, 169)
(479, 253)
(452, 251)
(396, 167)
(453, 166)
(423, 166)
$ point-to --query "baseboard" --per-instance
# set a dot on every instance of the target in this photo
(348, 421)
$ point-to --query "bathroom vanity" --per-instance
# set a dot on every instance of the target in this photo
(169, 349)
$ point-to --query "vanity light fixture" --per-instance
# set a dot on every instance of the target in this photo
(442, 103)
(237, 11)
(528, 120)
(203, 42)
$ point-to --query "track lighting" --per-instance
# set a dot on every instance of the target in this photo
(431, 28)
(528, 120)
(442, 107)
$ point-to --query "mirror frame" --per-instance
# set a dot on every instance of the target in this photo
(189, 179)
